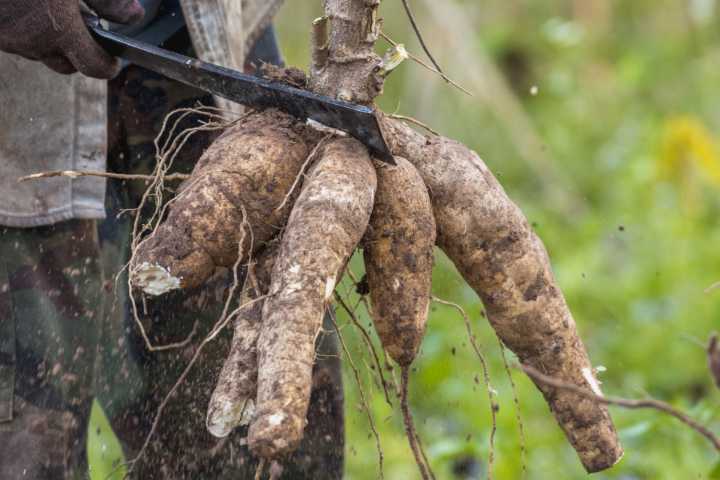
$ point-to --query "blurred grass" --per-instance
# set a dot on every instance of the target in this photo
(104, 451)
(603, 83)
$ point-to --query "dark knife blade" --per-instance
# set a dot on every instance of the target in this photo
(358, 121)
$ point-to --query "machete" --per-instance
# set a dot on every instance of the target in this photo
(255, 92)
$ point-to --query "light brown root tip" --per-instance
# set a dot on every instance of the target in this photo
(650, 403)
(221, 420)
(413, 438)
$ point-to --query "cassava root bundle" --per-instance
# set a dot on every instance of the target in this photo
(440, 193)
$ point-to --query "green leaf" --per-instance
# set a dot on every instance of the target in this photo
(715, 472)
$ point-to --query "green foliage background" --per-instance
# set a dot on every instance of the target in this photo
(632, 229)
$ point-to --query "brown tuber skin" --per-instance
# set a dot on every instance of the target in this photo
(328, 220)
(252, 166)
(399, 259)
(233, 401)
(485, 234)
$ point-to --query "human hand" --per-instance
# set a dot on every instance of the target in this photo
(54, 32)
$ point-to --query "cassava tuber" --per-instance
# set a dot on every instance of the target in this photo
(247, 172)
(490, 242)
(233, 400)
(398, 262)
(328, 220)
(398, 257)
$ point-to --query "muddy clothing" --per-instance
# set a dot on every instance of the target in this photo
(50, 310)
(44, 425)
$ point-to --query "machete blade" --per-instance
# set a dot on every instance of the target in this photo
(356, 120)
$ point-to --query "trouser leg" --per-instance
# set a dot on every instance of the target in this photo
(49, 327)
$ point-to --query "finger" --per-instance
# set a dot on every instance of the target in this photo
(20, 52)
(90, 59)
(59, 64)
(120, 11)
(85, 54)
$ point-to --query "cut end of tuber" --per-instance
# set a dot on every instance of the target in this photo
(590, 379)
(228, 415)
(154, 279)
(273, 435)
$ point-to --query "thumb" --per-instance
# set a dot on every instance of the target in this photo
(119, 11)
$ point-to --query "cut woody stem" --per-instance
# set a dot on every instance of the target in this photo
(345, 65)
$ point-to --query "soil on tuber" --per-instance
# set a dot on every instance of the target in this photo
(233, 400)
(327, 221)
(398, 254)
(398, 257)
(248, 171)
(491, 243)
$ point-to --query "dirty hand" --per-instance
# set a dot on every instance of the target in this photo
(53, 32)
